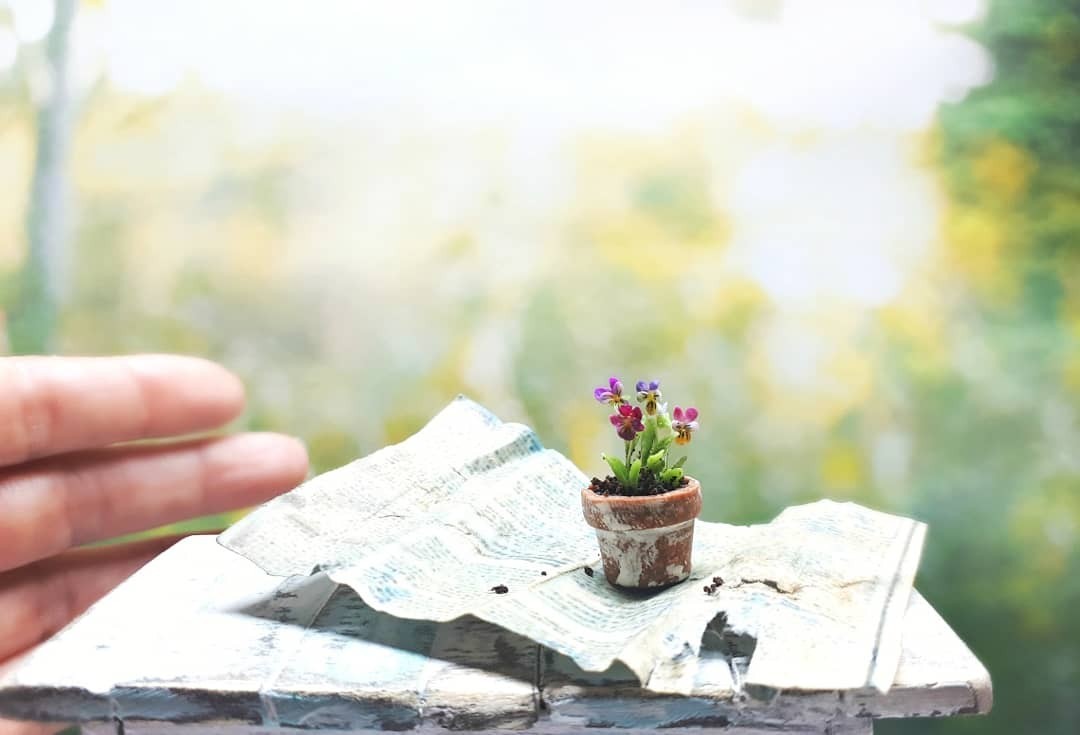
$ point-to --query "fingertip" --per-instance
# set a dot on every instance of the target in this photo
(284, 463)
(211, 392)
(256, 466)
(232, 393)
(293, 456)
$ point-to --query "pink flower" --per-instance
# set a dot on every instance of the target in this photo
(627, 422)
(684, 424)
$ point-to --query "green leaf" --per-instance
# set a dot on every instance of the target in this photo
(634, 474)
(655, 463)
(648, 438)
(680, 463)
(671, 476)
(663, 444)
(618, 468)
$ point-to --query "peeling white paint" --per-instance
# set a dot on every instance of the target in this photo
(635, 551)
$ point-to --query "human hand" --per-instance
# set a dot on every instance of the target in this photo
(67, 478)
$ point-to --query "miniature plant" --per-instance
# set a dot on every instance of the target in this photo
(648, 434)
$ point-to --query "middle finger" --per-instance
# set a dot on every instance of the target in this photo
(54, 504)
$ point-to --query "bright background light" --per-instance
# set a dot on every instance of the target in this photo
(9, 49)
(400, 124)
(560, 64)
(32, 19)
(776, 151)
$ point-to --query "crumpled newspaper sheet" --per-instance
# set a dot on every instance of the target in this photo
(425, 529)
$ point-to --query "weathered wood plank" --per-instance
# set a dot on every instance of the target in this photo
(142, 727)
(358, 669)
(212, 629)
(201, 637)
(231, 643)
(938, 677)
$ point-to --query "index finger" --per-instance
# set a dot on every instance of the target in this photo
(51, 405)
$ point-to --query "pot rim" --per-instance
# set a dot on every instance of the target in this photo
(640, 512)
(692, 487)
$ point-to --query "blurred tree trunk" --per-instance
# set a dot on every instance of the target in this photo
(32, 323)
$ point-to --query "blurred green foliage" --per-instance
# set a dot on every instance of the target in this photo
(1000, 482)
(956, 402)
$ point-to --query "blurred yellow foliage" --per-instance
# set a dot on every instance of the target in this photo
(585, 423)
(853, 373)
(731, 307)
(976, 238)
(632, 241)
(1004, 169)
(1071, 370)
(16, 160)
(332, 447)
(916, 321)
(842, 471)
(254, 252)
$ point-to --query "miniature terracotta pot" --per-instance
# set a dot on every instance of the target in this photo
(645, 541)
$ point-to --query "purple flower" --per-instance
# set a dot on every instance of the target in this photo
(627, 422)
(648, 392)
(612, 394)
(685, 424)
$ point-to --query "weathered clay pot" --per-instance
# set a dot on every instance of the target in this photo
(645, 541)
